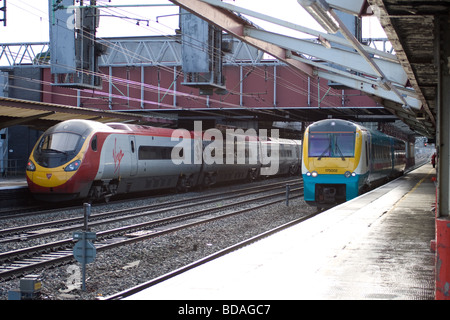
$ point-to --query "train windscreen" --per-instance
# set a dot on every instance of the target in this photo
(331, 144)
(57, 148)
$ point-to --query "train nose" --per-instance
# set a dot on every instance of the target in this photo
(49, 179)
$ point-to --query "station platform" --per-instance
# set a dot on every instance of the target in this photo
(12, 183)
(13, 192)
(376, 246)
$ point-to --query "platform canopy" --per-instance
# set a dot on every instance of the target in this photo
(43, 115)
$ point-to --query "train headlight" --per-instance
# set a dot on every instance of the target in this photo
(349, 174)
(73, 166)
(312, 174)
(31, 166)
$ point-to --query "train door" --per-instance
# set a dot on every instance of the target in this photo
(133, 149)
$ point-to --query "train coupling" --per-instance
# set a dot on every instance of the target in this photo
(329, 195)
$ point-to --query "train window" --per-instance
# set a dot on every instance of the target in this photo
(319, 145)
(57, 148)
(154, 153)
(132, 146)
(94, 143)
(345, 144)
(286, 153)
(59, 142)
(335, 144)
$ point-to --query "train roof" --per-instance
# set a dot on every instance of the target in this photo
(77, 126)
(80, 126)
(333, 125)
(141, 129)
(339, 125)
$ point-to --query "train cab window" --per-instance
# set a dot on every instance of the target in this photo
(94, 143)
(59, 142)
(319, 145)
(334, 144)
(57, 148)
(345, 144)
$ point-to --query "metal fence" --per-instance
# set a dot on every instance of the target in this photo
(10, 168)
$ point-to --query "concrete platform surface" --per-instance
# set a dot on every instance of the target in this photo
(376, 246)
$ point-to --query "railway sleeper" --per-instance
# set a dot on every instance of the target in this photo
(17, 264)
(31, 260)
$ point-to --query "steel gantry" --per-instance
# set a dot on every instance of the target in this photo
(375, 72)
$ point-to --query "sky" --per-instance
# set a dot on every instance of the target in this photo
(27, 20)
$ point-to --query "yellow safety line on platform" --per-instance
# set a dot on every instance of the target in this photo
(412, 190)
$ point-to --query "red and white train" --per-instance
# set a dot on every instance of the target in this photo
(83, 159)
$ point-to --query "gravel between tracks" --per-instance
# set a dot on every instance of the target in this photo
(124, 267)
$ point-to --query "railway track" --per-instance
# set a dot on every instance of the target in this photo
(20, 261)
(44, 229)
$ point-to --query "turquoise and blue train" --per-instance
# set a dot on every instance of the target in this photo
(342, 159)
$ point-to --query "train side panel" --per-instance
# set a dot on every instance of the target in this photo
(285, 155)
(136, 163)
